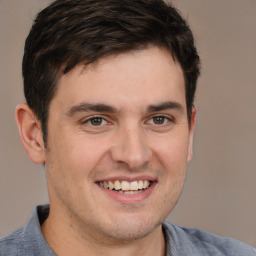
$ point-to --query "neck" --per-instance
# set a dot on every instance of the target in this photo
(65, 238)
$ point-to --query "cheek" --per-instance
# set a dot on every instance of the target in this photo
(82, 155)
(172, 152)
(70, 166)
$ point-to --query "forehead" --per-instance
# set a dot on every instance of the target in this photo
(133, 78)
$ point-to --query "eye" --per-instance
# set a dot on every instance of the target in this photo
(96, 121)
(160, 123)
(95, 124)
(159, 120)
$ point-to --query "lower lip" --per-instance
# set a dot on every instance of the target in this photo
(130, 198)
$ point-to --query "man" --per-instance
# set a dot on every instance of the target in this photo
(110, 88)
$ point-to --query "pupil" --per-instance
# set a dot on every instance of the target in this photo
(159, 119)
(96, 121)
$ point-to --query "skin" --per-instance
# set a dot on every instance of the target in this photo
(142, 132)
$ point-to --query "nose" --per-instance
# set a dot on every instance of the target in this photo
(130, 147)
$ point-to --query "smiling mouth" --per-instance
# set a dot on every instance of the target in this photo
(126, 187)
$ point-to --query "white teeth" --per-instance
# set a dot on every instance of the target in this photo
(140, 185)
(111, 185)
(134, 185)
(125, 186)
(117, 185)
(131, 192)
(145, 184)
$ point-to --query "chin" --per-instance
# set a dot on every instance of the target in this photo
(129, 229)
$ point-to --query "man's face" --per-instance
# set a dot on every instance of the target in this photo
(118, 124)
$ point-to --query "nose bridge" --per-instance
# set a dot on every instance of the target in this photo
(131, 146)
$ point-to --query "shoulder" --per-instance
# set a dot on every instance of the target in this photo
(13, 244)
(197, 242)
(29, 239)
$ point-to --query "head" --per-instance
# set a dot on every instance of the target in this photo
(68, 33)
(110, 87)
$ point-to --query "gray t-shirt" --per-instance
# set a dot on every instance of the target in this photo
(28, 241)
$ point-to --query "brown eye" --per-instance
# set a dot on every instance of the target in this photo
(159, 120)
(96, 121)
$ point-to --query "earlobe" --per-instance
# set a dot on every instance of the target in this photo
(30, 133)
(191, 134)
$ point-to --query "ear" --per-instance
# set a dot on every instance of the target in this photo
(191, 134)
(30, 133)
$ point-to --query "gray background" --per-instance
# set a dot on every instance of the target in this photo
(219, 194)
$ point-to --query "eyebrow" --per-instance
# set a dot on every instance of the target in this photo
(165, 106)
(87, 107)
